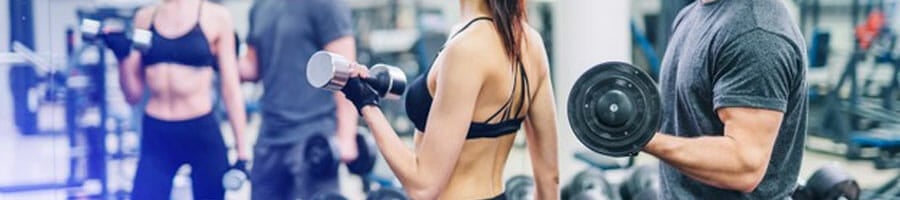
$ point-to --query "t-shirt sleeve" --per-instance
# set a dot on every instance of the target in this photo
(757, 70)
(332, 21)
(252, 38)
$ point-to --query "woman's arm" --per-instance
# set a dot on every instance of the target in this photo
(230, 80)
(131, 79)
(540, 134)
(130, 74)
(426, 171)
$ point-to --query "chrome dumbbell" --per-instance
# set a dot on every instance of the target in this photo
(93, 30)
(331, 71)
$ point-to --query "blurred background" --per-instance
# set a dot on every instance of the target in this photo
(67, 133)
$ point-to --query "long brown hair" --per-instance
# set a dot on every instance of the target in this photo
(508, 16)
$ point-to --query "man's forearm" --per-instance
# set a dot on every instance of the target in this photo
(347, 120)
(716, 161)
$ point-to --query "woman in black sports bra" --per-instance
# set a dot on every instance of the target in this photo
(178, 127)
(491, 77)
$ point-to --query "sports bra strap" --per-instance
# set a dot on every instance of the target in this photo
(200, 11)
(507, 109)
(470, 24)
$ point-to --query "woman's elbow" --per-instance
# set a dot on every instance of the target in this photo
(132, 99)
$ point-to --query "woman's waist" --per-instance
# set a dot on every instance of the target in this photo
(476, 178)
(178, 108)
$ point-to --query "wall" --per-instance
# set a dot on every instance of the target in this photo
(586, 32)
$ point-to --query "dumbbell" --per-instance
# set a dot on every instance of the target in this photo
(642, 184)
(588, 184)
(519, 187)
(324, 157)
(614, 109)
(829, 182)
(387, 193)
(235, 177)
(93, 30)
(332, 71)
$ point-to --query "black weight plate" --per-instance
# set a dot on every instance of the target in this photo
(519, 187)
(323, 156)
(590, 183)
(387, 193)
(365, 161)
(832, 182)
(614, 109)
(644, 179)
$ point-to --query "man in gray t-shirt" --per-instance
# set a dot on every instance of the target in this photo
(283, 35)
(733, 87)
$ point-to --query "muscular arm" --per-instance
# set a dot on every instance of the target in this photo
(752, 81)
(426, 171)
(346, 112)
(540, 133)
(742, 155)
(230, 80)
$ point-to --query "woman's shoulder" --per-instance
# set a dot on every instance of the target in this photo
(217, 11)
(478, 45)
(144, 16)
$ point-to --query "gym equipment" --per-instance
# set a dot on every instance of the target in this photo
(819, 48)
(234, 179)
(78, 84)
(236, 176)
(92, 30)
(331, 71)
(519, 187)
(890, 190)
(365, 161)
(643, 183)
(614, 109)
(859, 121)
(387, 193)
(829, 182)
(588, 184)
(323, 155)
(328, 196)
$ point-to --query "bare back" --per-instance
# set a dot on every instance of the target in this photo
(483, 160)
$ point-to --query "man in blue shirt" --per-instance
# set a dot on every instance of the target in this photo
(282, 37)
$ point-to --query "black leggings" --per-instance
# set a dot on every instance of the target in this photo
(166, 145)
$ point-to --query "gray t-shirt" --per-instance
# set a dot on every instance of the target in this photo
(285, 34)
(735, 53)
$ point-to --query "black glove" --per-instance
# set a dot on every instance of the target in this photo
(240, 165)
(118, 43)
(360, 93)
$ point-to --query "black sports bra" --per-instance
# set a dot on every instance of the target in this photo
(191, 49)
(419, 100)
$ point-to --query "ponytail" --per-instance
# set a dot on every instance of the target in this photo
(508, 17)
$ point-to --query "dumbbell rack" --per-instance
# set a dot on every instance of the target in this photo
(84, 91)
(861, 122)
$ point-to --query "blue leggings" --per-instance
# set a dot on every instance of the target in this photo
(166, 145)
